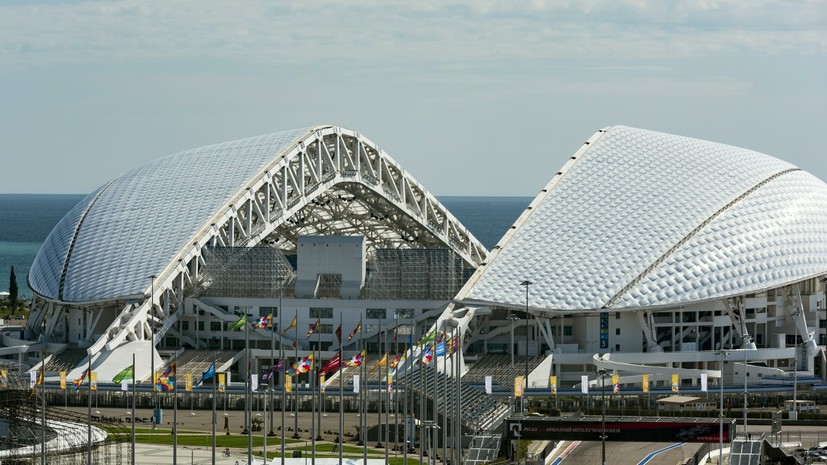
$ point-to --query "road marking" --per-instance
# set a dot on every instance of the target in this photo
(650, 456)
(565, 453)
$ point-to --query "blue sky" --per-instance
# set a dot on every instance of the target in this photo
(472, 97)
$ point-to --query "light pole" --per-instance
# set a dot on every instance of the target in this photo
(152, 351)
(747, 341)
(602, 373)
(525, 283)
(721, 430)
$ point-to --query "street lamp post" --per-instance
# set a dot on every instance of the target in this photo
(723, 355)
(525, 283)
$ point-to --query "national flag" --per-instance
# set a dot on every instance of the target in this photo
(428, 356)
(78, 382)
(290, 326)
(356, 360)
(645, 382)
(427, 338)
(273, 369)
(263, 322)
(440, 349)
(313, 327)
(238, 324)
(305, 364)
(355, 330)
(207, 375)
(380, 363)
(332, 365)
(552, 382)
(675, 383)
(395, 361)
(124, 374)
(616, 384)
(339, 334)
(62, 380)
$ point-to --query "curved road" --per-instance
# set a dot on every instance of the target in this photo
(628, 453)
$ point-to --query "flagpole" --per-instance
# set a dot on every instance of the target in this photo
(387, 396)
(379, 396)
(271, 382)
(363, 391)
(283, 374)
(296, 396)
(320, 406)
(341, 393)
(133, 410)
(214, 400)
(175, 411)
(89, 412)
(421, 406)
(395, 394)
(312, 410)
(248, 389)
(445, 391)
(42, 407)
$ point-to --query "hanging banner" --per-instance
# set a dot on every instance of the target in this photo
(584, 384)
(124, 386)
(645, 383)
(254, 383)
(356, 380)
(288, 383)
(32, 379)
(675, 383)
(93, 381)
(552, 382)
(616, 384)
(322, 386)
(62, 380)
(703, 382)
(221, 382)
(188, 382)
(488, 387)
(518, 386)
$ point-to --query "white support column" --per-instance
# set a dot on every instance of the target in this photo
(647, 325)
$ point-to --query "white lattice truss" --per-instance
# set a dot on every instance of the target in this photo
(333, 181)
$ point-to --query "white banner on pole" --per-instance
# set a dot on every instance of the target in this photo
(32, 379)
(356, 380)
(124, 386)
(703, 382)
(584, 384)
(488, 388)
(254, 383)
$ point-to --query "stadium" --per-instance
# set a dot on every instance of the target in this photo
(645, 254)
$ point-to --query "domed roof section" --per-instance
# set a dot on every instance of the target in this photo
(644, 219)
(107, 246)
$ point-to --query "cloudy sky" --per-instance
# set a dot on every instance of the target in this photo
(473, 97)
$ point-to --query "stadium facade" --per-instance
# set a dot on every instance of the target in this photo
(647, 253)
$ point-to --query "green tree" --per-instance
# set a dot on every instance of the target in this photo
(13, 290)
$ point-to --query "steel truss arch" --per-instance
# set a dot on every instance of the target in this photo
(331, 180)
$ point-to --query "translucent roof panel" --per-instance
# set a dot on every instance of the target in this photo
(140, 220)
(643, 218)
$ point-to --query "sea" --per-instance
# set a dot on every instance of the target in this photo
(26, 220)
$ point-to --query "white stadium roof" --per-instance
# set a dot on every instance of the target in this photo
(641, 219)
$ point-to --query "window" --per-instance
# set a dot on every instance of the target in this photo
(185, 326)
(617, 316)
(376, 313)
(325, 329)
(200, 326)
(617, 347)
(617, 331)
(405, 313)
(567, 331)
(316, 312)
(216, 325)
(264, 311)
(822, 323)
(329, 286)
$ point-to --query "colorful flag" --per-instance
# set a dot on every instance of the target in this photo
(339, 334)
(305, 364)
(188, 382)
(332, 365)
(356, 360)
(355, 330)
(207, 375)
(166, 382)
(238, 324)
(380, 363)
(264, 322)
(390, 382)
(552, 382)
(675, 383)
(616, 384)
(124, 374)
(645, 383)
(313, 327)
(518, 386)
(221, 383)
(62, 380)
(78, 382)
(290, 326)
(440, 349)
(427, 338)
(428, 356)
(93, 381)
